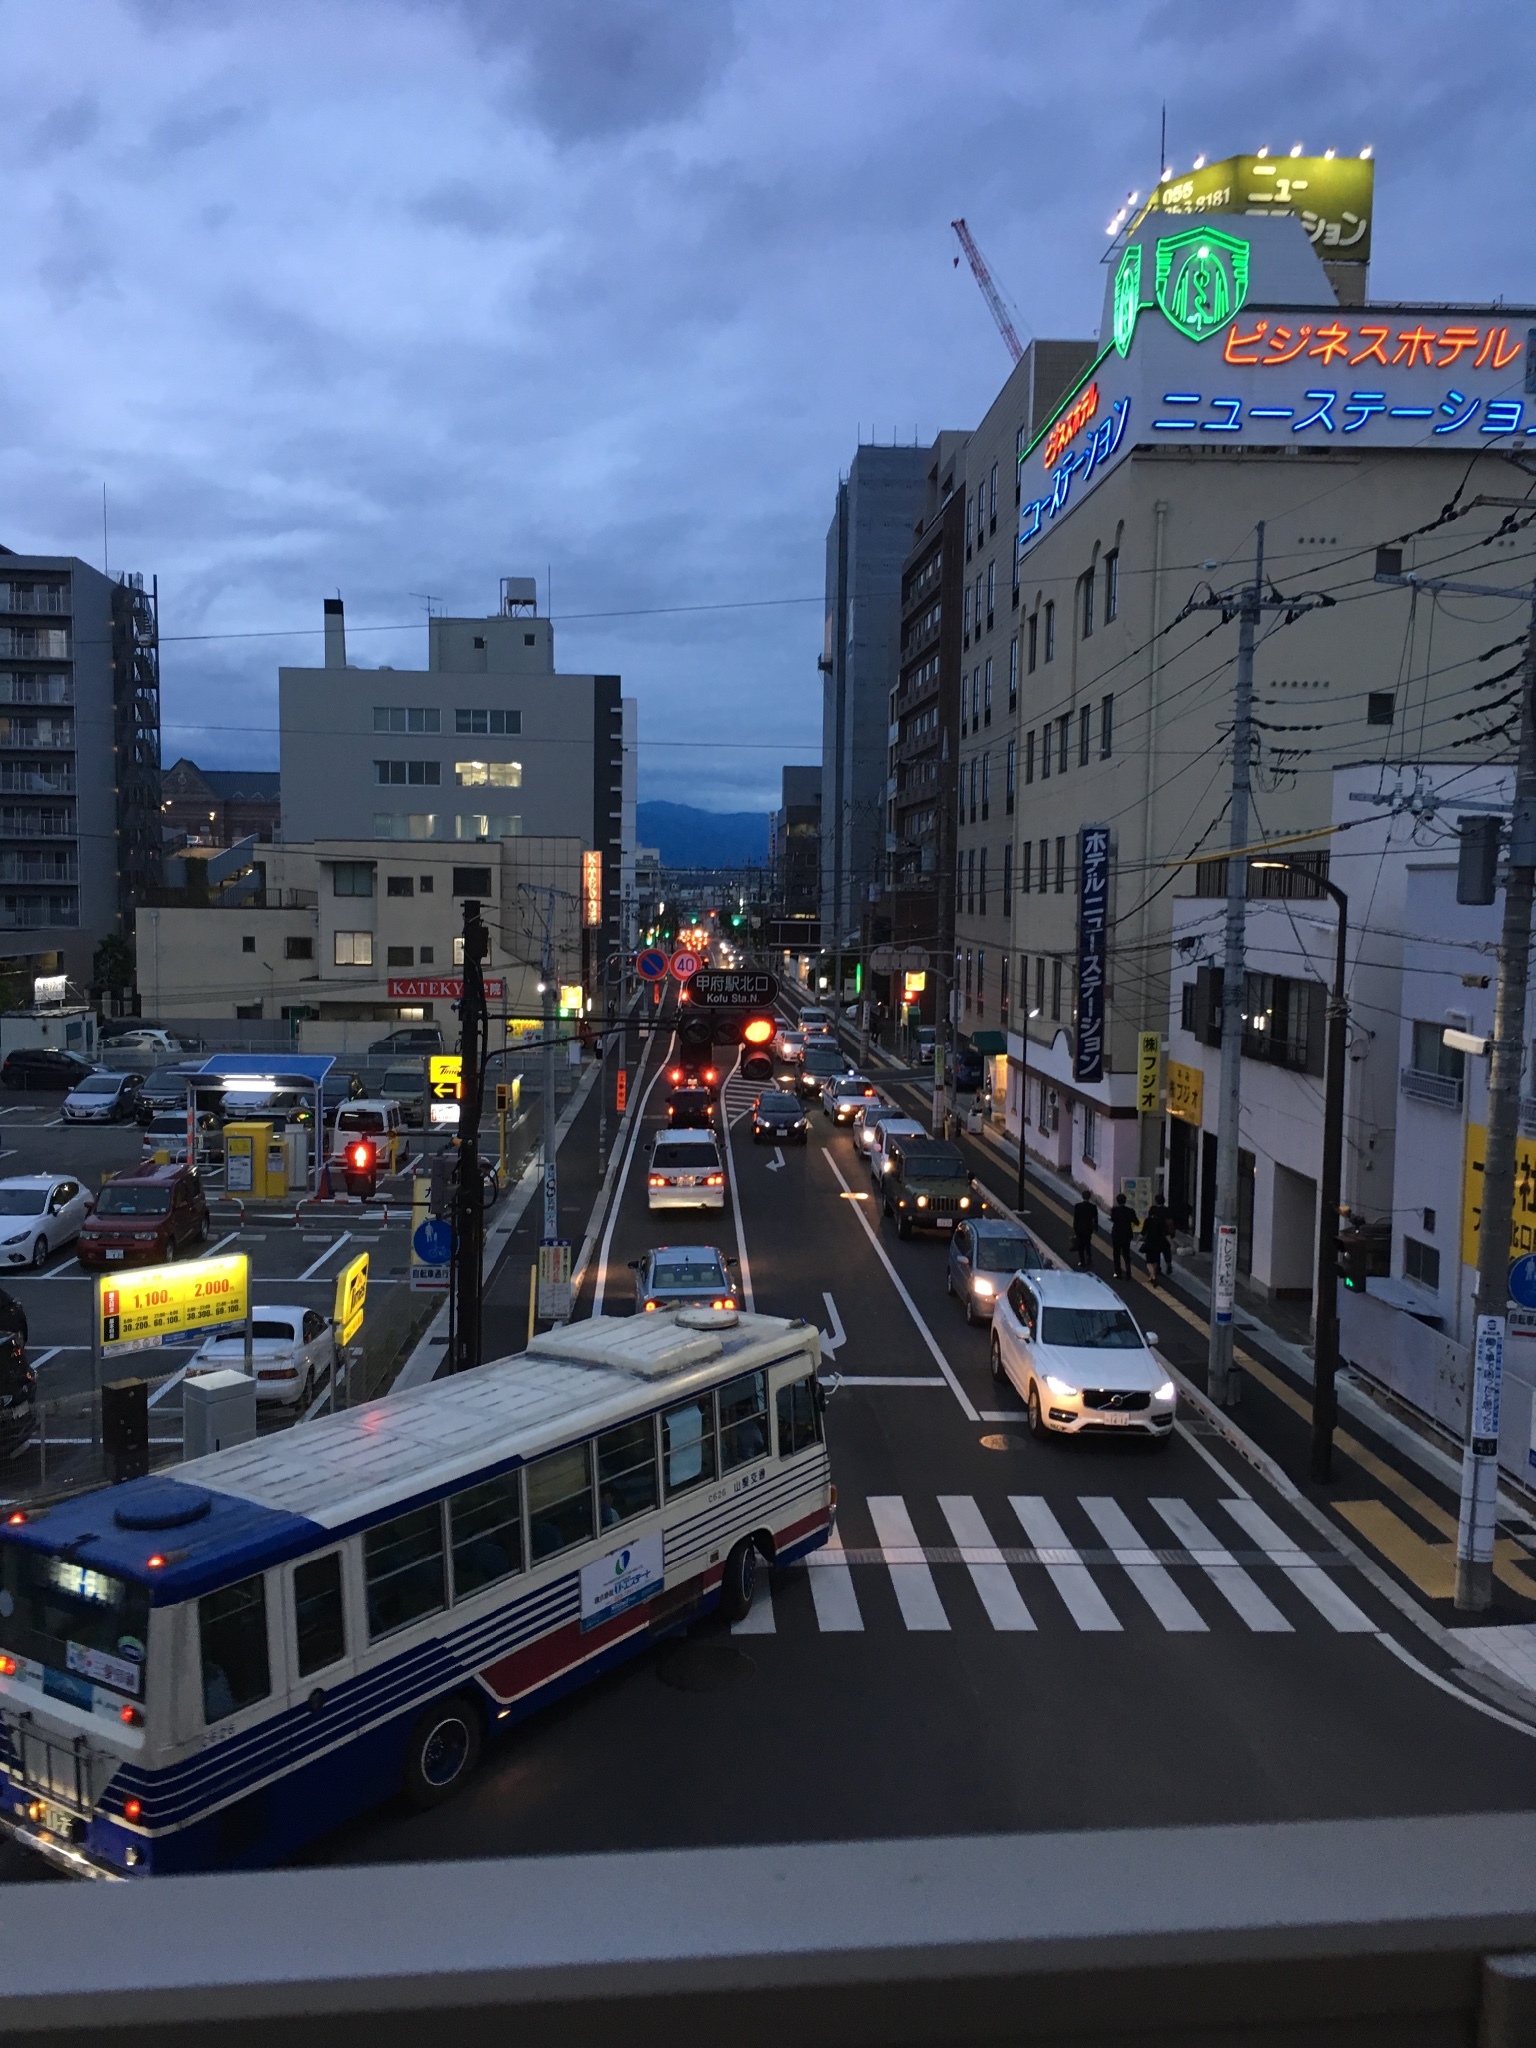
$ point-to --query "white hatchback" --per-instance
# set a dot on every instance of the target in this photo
(293, 1351)
(38, 1213)
(1072, 1350)
(686, 1172)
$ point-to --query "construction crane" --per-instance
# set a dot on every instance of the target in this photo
(989, 290)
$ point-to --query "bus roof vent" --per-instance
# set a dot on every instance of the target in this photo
(646, 1345)
(163, 1507)
(707, 1319)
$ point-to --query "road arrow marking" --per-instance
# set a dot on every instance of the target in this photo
(839, 1336)
(778, 1161)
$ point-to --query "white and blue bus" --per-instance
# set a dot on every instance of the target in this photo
(208, 1669)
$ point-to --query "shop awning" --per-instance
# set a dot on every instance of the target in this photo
(989, 1041)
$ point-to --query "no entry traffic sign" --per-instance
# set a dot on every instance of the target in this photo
(651, 965)
(685, 965)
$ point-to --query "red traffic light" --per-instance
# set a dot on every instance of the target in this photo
(361, 1155)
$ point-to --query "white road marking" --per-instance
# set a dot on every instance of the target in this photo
(745, 1263)
(331, 1249)
(837, 1605)
(994, 1582)
(1063, 1567)
(892, 1379)
(967, 1407)
(1152, 1580)
(834, 1339)
(916, 1594)
(600, 1287)
(1240, 1592)
(1309, 1578)
(54, 1275)
(777, 1163)
(53, 1351)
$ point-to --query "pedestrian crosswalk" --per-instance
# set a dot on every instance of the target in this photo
(1108, 1573)
(738, 1096)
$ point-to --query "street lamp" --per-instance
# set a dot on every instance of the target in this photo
(1326, 1326)
(1029, 1015)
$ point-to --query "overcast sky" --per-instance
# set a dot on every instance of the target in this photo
(399, 299)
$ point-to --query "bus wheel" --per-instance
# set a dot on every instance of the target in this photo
(739, 1581)
(443, 1751)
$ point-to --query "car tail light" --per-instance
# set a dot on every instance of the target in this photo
(7, 1667)
(649, 1306)
(714, 1180)
(657, 1180)
(17, 1519)
(674, 1075)
(710, 1074)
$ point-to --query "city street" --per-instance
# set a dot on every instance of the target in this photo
(1015, 1635)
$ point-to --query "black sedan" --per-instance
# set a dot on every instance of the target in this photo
(45, 1068)
(18, 1393)
(691, 1109)
(779, 1118)
(166, 1089)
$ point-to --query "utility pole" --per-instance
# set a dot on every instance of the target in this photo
(1480, 1458)
(944, 951)
(471, 1188)
(550, 993)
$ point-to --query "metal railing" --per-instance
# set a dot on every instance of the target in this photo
(1444, 1089)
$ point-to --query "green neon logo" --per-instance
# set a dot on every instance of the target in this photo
(1202, 280)
(1127, 297)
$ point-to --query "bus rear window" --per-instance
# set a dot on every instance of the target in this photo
(87, 1625)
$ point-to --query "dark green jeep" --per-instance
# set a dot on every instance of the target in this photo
(927, 1186)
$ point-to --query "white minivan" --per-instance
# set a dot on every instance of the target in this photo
(686, 1172)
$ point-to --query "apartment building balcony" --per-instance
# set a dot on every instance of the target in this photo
(1443, 1089)
(22, 779)
(913, 694)
(19, 865)
(34, 643)
(48, 598)
(31, 913)
(23, 822)
(50, 733)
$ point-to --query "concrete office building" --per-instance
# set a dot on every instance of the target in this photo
(486, 743)
(79, 759)
(1228, 387)
(867, 541)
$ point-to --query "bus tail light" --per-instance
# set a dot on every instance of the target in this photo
(132, 1808)
(649, 1306)
(131, 1716)
(7, 1667)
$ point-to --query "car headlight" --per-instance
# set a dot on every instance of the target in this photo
(1166, 1392)
(20, 1237)
(922, 1201)
(965, 1201)
(1062, 1389)
(985, 1287)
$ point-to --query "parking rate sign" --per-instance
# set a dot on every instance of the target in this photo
(351, 1298)
(158, 1305)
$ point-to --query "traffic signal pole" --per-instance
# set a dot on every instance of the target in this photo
(470, 1203)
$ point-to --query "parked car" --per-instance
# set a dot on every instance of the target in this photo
(168, 1134)
(340, 1085)
(45, 1069)
(102, 1098)
(983, 1256)
(690, 1109)
(18, 1394)
(145, 1218)
(686, 1172)
(407, 1085)
(684, 1276)
(38, 1213)
(926, 1186)
(780, 1117)
(925, 1042)
(293, 1351)
(410, 1038)
(1072, 1350)
(147, 1038)
(165, 1088)
(967, 1070)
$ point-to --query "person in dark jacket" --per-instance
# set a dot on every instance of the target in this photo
(1122, 1228)
(1085, 1225)
(1154, 1241)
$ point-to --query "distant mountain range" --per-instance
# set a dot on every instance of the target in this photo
(689, 838)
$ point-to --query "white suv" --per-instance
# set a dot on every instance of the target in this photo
(1071, 1348)
(887, 1128)
(686, 1172)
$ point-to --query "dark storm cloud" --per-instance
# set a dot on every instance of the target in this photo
(401, 297)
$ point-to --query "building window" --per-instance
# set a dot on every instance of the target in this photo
(1045, 752)
(407, 718)
(1026, 866)
(991, 592)
(986, 787)
(488, 825)
(352, 878)
(970, 523)
(1061, 866)
(970, 883)
(960, 880)
(400, 885)
(967, 977)
(298, 949)
(1050, 630)
(992, 511)
(966, 622)
(1090, 1133)
(981, 983)
(1029, 756)
(471, 881)
(248, 942)
(1007, 886)
(1039, 983)
(981, 883)
(1421, 1262)
(1379, 707)
(426, 956)
(1086, 587)
(353, 949)
(1015, 597)
(1106, 727)
(400, 956)
(986, 694)
(1011, 774)
(1431, 1055)
(1111, 585)
(1084, 735)
(1013, 673)
(497, 724)
(400, 774)
(405, 825)
(1033, 631)
(488, 774)
(424, 883)
(1063, 741)
(1056, 991)
(1045, 865)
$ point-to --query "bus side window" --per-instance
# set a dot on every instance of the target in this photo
(403, 1570)
(626, 1471)
(688, 1444)
(319, 1624)
(559, 1501)
(486, 1526)
(743, 1420)
(232, 1631)
(799, 1418)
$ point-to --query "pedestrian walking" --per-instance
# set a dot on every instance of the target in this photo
(1154, 1241)
(1122, 1228)
(1085, 1226)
